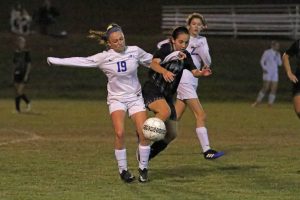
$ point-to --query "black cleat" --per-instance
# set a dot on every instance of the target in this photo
(126, 176)
(212, 154)
(143, 177)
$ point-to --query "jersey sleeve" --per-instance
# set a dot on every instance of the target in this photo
(294, 49)
(163, 52)
(86, 62)
(203, 51)
(263, 60)
(188, 62)
(144, 58)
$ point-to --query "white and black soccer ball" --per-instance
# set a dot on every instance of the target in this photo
(154, 129)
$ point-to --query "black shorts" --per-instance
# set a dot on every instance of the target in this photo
(152, 93)
(18, 78)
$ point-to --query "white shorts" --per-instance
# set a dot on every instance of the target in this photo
(132, 106)
(270, 76)
(187, 91)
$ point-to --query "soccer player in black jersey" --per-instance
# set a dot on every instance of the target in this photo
(168, 62)
(22, 66)
(294, 50)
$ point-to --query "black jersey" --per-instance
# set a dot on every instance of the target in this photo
(176, 67)
(21, 59)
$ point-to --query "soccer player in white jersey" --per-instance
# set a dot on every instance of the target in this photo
(187, 89)
(119, 63)
(269, 62)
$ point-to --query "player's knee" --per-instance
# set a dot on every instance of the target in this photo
(201, 117)
(164, 114)
(119, 134)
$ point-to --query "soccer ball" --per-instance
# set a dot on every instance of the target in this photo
(154, 129)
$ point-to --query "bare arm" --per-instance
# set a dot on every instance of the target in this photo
(288, 69)
(168, 76)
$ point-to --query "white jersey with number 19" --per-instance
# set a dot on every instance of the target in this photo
(120, 69)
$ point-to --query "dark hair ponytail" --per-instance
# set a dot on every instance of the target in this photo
(179, 30)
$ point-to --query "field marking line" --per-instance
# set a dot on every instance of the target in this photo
(32, 136)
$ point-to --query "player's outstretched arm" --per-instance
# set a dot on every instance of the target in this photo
(72, 62)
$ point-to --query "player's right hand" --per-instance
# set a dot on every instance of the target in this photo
(168, 76)
(292, 77)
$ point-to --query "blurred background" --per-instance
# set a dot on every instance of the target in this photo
(237, 75)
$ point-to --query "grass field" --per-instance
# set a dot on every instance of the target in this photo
(63, 149)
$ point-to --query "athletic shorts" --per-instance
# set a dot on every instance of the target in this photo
(19, 77)
(296, 86)
(270, 76)
(152, 93)
(186, 91)
(132, 106)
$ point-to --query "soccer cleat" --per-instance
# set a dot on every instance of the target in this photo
(212, 154)
(126, 176)
(143, 177)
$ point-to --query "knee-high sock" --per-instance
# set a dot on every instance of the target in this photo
(203, 138)
(24, 97)
(156, 148)
(121, 159)
(144, 152)
(260, 97)
(17, 102)
(271, 98)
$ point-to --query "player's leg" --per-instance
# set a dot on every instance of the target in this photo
(161, 109)
(24, 97)
(180, 106)
(262, 92)
(144, 145)
(273, 90)
(296, 101)
(118, 113)
(18, 90)
(201, 130)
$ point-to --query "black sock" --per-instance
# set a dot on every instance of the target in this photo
(17, 102)
(156, 148)
(24, 97)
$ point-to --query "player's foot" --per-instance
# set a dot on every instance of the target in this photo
(126, 176)
(143, 177)
(254, 104)
(16, 112)
(28, 107)
(212, 154)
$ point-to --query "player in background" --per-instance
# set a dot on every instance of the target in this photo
(187, 89)
(120, 63)
(294, 50)
(269, 62)
(172, 58)
(22, 67)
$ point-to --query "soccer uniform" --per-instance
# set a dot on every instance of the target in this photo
(269, 62)
(124, 88)
(294, 50)
(199, 50)
(156, 87)
(21, 59)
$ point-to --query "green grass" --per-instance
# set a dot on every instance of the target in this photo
(63, 149)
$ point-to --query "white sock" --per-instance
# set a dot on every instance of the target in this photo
(271, 98)
(121, 159)
(260, 96)
(203, 138)
(144, 156)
